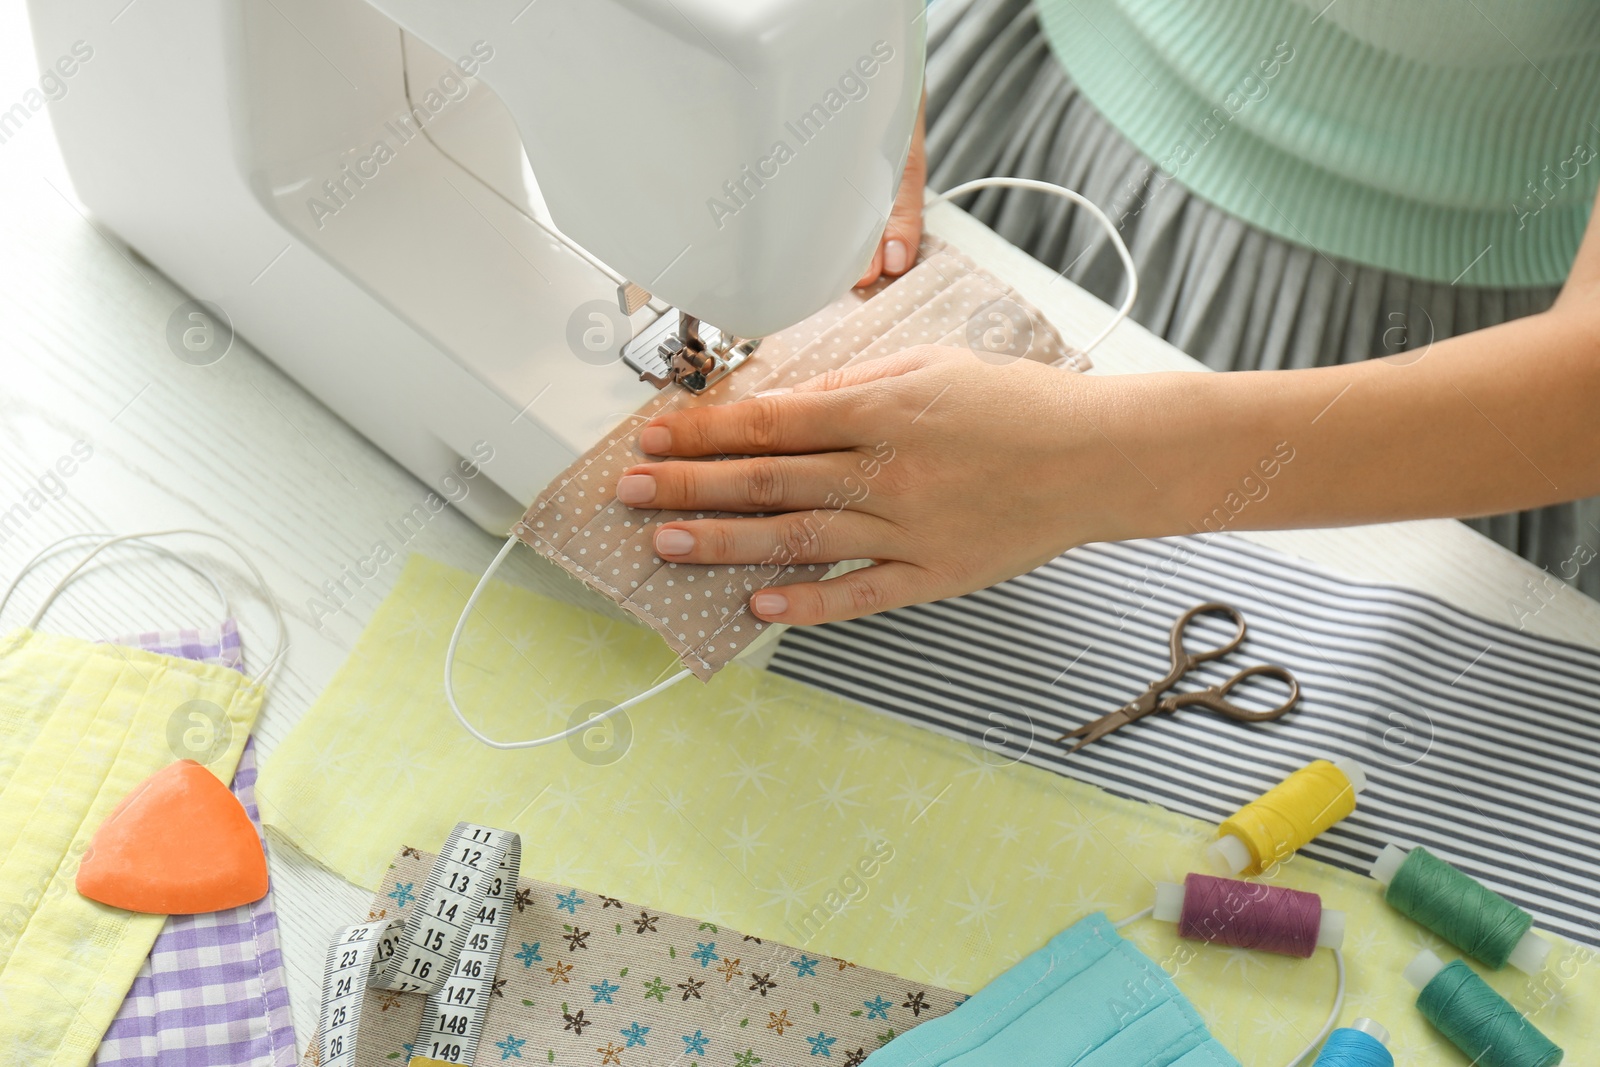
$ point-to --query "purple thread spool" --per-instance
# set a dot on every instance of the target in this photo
(1249, 915)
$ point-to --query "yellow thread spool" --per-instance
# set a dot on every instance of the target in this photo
(1287, 817)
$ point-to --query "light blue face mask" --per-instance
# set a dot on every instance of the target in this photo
(1087, 999)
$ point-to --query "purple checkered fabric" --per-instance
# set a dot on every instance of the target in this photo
(219, 646)
(213, 992)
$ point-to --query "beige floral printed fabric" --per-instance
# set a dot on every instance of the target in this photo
(702, 611)
(587, 980)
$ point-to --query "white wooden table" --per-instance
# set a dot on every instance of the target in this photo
(238, 449)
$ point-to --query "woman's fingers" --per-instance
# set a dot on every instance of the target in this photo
(875, 268)
(778, 541)
(849, 596)
(768, 425)
(897, 249)
(766, 483)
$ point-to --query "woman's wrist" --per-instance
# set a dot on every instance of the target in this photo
(1183, 452)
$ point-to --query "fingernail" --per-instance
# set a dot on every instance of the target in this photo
(780, 391)
(894, 257)
(769, 604)
(674, 542)
(655, 440)
(636, 489)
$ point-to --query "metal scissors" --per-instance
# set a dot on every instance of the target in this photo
(1214, 697)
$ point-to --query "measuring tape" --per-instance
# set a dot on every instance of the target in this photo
(448, 948)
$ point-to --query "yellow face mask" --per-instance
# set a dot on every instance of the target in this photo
(81, 724)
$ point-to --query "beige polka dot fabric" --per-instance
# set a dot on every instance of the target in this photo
(701, 611)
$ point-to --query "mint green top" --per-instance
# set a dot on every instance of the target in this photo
(1442, 139)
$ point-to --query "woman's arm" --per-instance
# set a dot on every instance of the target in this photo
(1496, 420)
(954, 473)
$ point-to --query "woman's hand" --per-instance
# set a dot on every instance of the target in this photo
(897, 248)
(951, 472)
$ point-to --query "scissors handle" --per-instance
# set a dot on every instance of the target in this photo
(1182, 659)
(1216, 697)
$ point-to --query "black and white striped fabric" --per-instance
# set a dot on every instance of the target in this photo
(1481, 742)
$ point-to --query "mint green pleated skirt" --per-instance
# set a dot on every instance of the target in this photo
(1228, 294)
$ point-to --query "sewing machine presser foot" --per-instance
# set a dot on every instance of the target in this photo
(679, 348)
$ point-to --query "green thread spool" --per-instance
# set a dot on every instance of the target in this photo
(1476, 1019)
(1460, 909)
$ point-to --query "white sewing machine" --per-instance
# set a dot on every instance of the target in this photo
(352, 184)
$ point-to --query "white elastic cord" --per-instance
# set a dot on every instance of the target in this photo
(105, 541)
(71, 541)
(1338, 996)
(1333, 1016)
(450, 663)
(1083, 202)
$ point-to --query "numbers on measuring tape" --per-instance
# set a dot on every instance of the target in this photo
(447, 950)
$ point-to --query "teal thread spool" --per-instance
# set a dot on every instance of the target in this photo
(1476, 1019)
(1361, 1044)
(1460, 909)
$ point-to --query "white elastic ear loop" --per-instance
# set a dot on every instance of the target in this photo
(1333, 1016)
(1338, 996)
(1083, 202)
(107, 541)
(450, 663)
(72, 541)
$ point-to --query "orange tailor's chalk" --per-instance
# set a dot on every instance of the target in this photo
(179, 844)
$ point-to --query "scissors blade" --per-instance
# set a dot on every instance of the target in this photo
(1094, 731)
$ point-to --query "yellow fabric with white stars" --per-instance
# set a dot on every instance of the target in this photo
(751, 801)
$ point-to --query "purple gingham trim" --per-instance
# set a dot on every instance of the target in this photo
(213, 992)
(219, 646)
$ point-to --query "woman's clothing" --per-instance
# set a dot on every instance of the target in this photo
(1415, 136)
(1229, 293)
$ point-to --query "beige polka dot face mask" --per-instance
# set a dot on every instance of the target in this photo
(701, 611)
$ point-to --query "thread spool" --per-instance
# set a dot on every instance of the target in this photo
(1286, 817)
(1460, 909)
(1249, 915)
(1361, 1044)
(1476, 1019)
